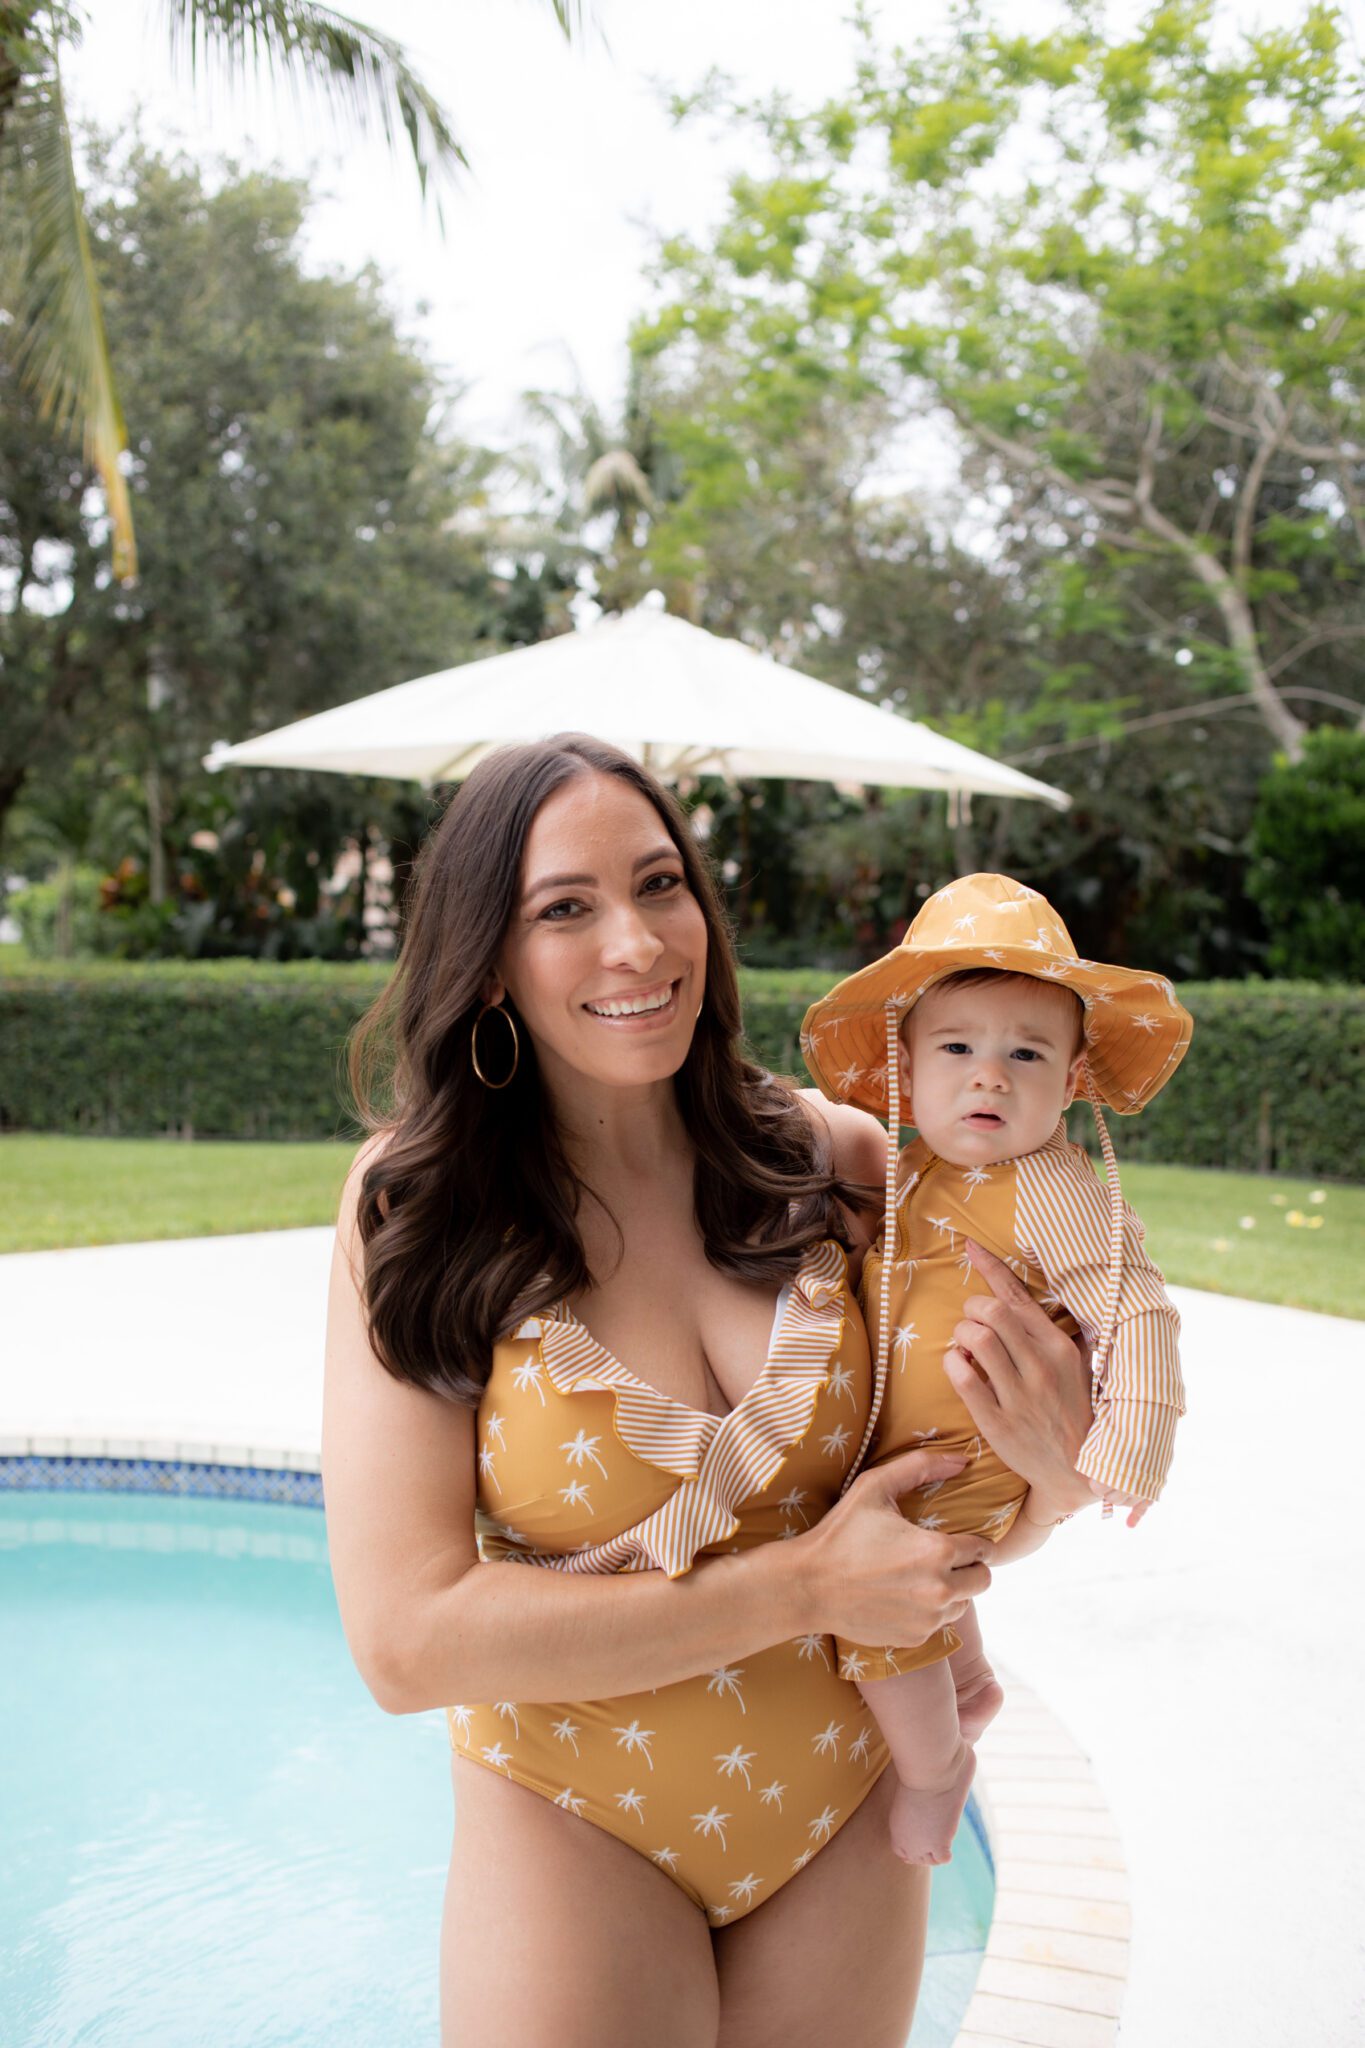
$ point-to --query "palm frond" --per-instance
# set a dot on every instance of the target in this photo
(61, 346)
(361, 76)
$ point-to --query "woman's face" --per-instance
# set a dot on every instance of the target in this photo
(605, 954)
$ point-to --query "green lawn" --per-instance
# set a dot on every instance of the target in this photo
(68, 1191)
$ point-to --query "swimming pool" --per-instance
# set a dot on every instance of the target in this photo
(211, 1834)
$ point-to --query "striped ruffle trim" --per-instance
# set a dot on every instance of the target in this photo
(720, 1460)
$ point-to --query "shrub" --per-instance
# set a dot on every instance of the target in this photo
(1274, 1081)
(1308, 859)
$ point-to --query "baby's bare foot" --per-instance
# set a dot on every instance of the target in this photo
(978, 1705)
(923, 1823)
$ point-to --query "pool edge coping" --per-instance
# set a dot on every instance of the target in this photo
(1058, 1948)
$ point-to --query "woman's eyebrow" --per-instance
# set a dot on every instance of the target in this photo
(668, 851)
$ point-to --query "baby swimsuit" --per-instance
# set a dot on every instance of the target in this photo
(1047, 1216)
(731, 1781)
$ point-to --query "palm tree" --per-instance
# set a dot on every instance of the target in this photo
(47, 282)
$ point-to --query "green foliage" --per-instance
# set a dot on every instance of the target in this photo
(1150, 339)
(1274, 1080)
(1308, 867)
(60, 918)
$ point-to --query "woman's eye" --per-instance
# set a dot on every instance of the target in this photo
(559, 913)
(662, 885)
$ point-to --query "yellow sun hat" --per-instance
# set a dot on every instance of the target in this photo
(1136, 1032)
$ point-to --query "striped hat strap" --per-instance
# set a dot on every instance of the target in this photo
(893, 1139)
(1099, 1363)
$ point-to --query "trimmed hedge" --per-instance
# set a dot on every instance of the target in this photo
(1274, 1081)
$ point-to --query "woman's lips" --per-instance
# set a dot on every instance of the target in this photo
(640, 1020)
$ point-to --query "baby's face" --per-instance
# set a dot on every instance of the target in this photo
(991, 1068)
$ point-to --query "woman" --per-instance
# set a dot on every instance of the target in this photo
(582, 1171)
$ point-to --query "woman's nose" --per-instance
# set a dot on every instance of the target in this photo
(631, 941)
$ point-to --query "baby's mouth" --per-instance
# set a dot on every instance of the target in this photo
(986, 1120)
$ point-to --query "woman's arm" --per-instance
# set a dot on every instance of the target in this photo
(857, 1145)
(429, 1624)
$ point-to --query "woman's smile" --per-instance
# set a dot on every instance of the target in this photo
(640, 1008)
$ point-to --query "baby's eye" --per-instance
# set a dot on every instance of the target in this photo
(1025, 1052)
(957, 1045)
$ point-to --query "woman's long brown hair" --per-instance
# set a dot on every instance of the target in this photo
(467, 1214)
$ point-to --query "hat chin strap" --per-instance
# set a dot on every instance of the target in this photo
(893, 1145)
(1115, 1283)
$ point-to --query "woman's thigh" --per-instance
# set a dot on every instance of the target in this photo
(836, 1954)
(556, 1935)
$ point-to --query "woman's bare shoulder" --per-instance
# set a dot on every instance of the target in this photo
(857, 1140)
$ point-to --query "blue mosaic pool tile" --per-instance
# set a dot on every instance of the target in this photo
(35, 1474)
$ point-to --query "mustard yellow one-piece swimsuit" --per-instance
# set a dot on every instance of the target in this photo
(731, 1781)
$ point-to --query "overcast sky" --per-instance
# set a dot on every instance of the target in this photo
(574, 161)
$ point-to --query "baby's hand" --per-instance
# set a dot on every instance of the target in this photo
(1133, 1502)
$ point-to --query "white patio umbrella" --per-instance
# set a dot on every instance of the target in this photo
(684, 701)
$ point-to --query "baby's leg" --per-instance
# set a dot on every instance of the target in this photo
(979, 1697)
(917, 1713)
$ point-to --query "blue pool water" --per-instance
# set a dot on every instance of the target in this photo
(212, 1838)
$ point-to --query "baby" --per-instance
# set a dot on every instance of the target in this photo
(980, 1029)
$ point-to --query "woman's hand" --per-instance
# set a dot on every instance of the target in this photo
(875, 1577)
(1026, 1386)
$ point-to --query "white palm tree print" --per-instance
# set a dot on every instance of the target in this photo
(565, 1731)
(528, 1374)
(508, 1710)
(571, 1801)
(462, 1718)
(808, 1648)
(743, 1888)
(826, 1743)
(853, 1665)
(859, 1747)
(486, 1467)
(583, 1447)
(975, 1177)
(848, 1078)
(800, 1862)
(793, 1503)
(737, 1759)
(712, 1822)
(726, 1680)
(840, 1382)
(929, 1521)
(836, 1443)
(920, 1436)
(496, 1755)
(495, 1425)
(903, 1341)
(635, 1737)
(822, 1826)
(666, 1858)
(943, 1225)
(575, 1495)
(720, 1912)
(771, 1795)
(965, 923)
(631, 1801)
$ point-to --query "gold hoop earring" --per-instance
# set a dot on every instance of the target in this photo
(511, 1023)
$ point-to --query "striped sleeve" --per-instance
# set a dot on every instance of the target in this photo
(1062, 1220)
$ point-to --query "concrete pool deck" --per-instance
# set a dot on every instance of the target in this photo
(1205, 1664)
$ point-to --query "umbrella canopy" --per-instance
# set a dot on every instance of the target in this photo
(682, 700)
